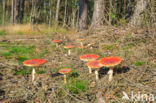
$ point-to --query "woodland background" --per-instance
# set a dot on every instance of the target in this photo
(78, 13)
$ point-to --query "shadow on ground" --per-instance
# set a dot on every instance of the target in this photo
(118, 70)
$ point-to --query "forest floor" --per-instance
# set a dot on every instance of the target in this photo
(136, 74)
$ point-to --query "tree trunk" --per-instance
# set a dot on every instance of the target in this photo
(17, 11)
(3, 20)
(57, 10)
(83, 15)
(65, 12)
(136, 18)
(98, 13)
(12, 11)
(73, 17)
(21, 10)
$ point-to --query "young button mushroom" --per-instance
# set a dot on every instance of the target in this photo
(89, 57)
(34, 63)
(69, 47)
(110, 62)
(95, 64)
(57, 42)
(64, 71)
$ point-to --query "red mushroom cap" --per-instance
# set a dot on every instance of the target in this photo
(34, 62)
(89, 57)
(94, 64)
(110, 61)
(64, 70)
(69, 46)
(56, 41)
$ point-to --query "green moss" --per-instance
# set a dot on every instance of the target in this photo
(139, 63)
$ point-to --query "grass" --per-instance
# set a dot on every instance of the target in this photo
(109, 47)
(21, 52)
(25, 29)
(27, 70)
(139, 63)
(76, 86)
(2, 32)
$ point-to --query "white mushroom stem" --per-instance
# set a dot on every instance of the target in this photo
(69, 52)
(33, 74)
(97, 75)
(65, 80)
(110, 73)
(90, 70)
(81, 44)
(57, 45)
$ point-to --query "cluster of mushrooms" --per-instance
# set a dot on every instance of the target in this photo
(91, 60)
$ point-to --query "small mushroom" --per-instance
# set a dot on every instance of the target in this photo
(64, 71)
(89, 57)
(34, 63)
(57, 42)
(81, 41)
(95, 64)
(110, 62)
(69, 47)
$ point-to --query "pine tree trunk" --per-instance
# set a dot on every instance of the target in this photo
(98, 13)
(83, 15)
(136, 18)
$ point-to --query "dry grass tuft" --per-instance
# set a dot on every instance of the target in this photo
(24, 29)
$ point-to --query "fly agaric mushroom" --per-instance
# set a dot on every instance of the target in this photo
(95, 64)
(56, 41)
(34, 63)
(64, 71)
(69, 47)
(89, 57)
(81, 41)
(110, 62)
